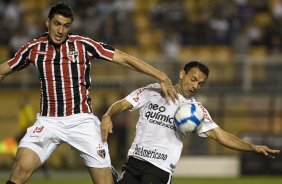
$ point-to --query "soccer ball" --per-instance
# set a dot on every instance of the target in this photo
(187, 117)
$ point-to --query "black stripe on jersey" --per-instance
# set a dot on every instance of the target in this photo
(40, 62)
(75, 83)
(106, 46)
(88, 83)
(87, 74)
(89, 48)
(59, 85)
(23, 59)
(89, 103)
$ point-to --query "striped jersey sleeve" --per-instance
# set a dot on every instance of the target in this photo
(22, 57)
(96, 49)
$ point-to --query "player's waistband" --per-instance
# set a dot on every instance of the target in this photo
(79, 115)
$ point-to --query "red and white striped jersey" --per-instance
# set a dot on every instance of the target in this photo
(64, 72)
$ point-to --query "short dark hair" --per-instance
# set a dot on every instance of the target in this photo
(61, 8)
(202, 67)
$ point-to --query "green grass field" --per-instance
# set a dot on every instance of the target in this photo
(241, 180)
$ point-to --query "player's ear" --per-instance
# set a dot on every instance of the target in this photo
(47, 23)
(181, 74)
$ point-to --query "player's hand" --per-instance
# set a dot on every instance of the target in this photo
(106, 127)
(266, 151)
(168, 90)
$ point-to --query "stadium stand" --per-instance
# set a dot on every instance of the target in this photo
(244, 89)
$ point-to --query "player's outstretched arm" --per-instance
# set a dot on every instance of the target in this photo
(5, 70)
(233, 142)
(129, 61)
(106, 122)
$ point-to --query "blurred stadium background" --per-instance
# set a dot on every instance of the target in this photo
(240, 40)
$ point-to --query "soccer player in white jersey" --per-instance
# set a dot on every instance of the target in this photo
(157, 146)
(63, 62)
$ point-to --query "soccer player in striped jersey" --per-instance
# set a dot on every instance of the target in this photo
(157, 145)
(63, 61)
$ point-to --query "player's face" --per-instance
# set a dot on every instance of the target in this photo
(192, 82)
(58, 27)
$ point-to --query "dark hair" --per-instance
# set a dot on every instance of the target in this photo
(203, 68)
(61, 9)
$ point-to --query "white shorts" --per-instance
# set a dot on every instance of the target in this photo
(81, 131)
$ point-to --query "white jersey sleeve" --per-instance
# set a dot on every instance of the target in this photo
(207, 124)
(142, 95)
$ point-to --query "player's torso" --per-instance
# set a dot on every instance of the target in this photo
(156, 139)
(157, 117)
(67, 61)
(64, 73)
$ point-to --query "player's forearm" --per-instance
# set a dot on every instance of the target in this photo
(229, 140)
(147, 69)
(138, 65)
(117, 107)
(235, 143)
(5, 70)
(2, 77)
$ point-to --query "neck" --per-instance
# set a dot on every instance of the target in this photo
(54, 44)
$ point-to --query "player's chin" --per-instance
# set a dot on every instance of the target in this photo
(188, 94)
(58, 41)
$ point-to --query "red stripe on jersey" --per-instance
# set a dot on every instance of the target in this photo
(49, 73)
(33, 55)
(67, 81)
(104, 53)
(19, 55)
(84, 91)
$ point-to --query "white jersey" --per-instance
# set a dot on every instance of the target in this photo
(156, 140)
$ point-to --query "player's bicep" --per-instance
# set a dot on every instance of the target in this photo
(124, 105)
(221, 136)
(214, 133)
(121, 58)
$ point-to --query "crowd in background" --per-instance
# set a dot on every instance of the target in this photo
(222, 22)
(240, 24)
(218, 22)
(108, 21)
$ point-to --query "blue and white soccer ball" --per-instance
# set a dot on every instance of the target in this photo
(187, 117)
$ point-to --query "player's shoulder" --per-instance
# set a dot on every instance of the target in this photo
(43, 38)
(75, 37)
(150, 89)
(154, 87)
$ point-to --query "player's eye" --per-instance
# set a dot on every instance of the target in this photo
(201, 84)
(193, 79)
(57, 23)
(67, 25)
